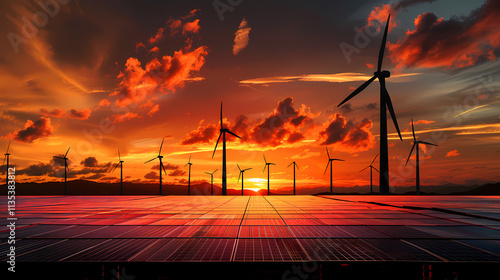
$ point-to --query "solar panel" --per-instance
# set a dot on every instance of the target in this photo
(341, 250)
(59, 250)
(404, 232)
(454, 251)
(202, 249)
(264, 249)
(116, 250)
(400, 251)
(265, 232)
(492, 246)
(68, 232)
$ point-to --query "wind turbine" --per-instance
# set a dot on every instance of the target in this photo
(189, 175)
(65, 158)
(7, 156)
(267, 166)
(223, 132)
(330, 162)
(371, 170)
(212, 179)
(241, 174)
(385, 100)
(120, 163)
(415, 144)
(159, 157)
(294, 166)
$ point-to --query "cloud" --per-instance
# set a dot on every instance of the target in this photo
(453, 153)
(347, 136)
(153, 110)
(89, 162)
(191, 27)
(152, 176)
(38, 169)
(177, 173)
(421, 122)
(241, 37)
(305, 154)
(202, 134)
(72, 114)
(104, 103)
(332, 78)
(167, 166)
(33, 130)
(455, 43)
(124, 117)
(157, 37)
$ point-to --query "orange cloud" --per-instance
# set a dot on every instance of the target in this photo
(191, 27)
(453, 153)
(378, 16)
(241, 37)
(33, 130)
(153, 110)
(123, 117)
(421, 122)
(157, 37)
(202, 134)
(454, 43)
(369, 65)
(347, 136)
(72, 114)
(57, 113)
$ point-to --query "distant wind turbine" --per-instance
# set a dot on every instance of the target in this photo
(189, 174)
(242, 172)
(160, 158)
(330, 162)
(385, 100)
(294, 166)
(371, 171)
(120, 163)
(415, 144)
(223, 132)
(212, 181)
(7, 156)
(65, 158)
(267, 166)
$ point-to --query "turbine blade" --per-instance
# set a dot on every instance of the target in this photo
(163, 167)
(413, 130)
(358, 90)
(233, 134)
(376, 169)
(247, 169)
(4, 159)
(327, 153)
(221, 126)
(208, 173)
(58, 157)
(391, 110)
(374, 159)
(8, 146)
(289, 165)
(186, 164)
(338, 159)
(151, 159)
(297, 166)
(272, 163)
(264, 168)
(159, 152)
(410, 153)
(265, 158)
(216, 143)
(67, 152)
(115, 167)
(427, 143)
(239, 177)
(215, 171)
(238, 167)
(119, 157)
(326, 167)
(382, 47)
(364, 169)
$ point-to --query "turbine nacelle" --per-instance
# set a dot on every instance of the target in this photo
(382, 74)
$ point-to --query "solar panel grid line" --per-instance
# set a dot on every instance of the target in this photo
(455, 251)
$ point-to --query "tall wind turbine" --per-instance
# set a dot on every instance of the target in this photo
(159, 157)
(189, 174)
(330, 162)
(65, 158)
(120, 163)
(267, 166)
(7, 156)
(294, 166)
(212, 179)
(223, 132)
(415, 144)
(242, 172)
(371, 171)
(385, 100)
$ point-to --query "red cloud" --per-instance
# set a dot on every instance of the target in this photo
(157, 37)
(454, 43)
(453, 153)
(422, 122)
(347, 136)
(72, 114)
(152, 176)
(369, 65)
(202, 134)
(153, 110)
(33, 130)
(123, 117)
(191, 27)
(81, 115)
(57, 113)
(104, 103)
(177, 172)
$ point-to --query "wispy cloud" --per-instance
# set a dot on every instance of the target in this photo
(241, 37)
(461, 130)
(331, 78)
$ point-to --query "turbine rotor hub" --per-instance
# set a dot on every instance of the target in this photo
(382, 74)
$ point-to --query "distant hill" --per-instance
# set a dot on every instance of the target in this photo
(84, 187)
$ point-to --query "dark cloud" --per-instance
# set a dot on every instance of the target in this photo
(202, 134)
(177, 173)
(152, 176)
(167, 166)
(347, 136)
(38, 169)
(89, 162)
(34, 130)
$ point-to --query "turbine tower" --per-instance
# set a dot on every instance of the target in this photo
(65, 158)
(212, 179)
(416, 144)
(189, 175)
(223, 132)
(294, 166)
(120, 163)
(371, 171)
(267, 166)
(330, 162)
(385, 100)
(241, 175)
(160, 158)
(7, 156)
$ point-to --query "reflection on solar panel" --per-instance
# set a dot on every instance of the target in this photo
(248, 229)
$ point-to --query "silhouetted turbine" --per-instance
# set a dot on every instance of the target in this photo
(223, 132)
(189, 175)
(120, 163)
(330, 162)
(294, 166)
(267, 166)
(371, 169)
(416, 144)
(241, 174)
(160, 158)
(65, 158)
(7, 156)
(385, 99)
(212, 179)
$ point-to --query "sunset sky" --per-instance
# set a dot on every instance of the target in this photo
(105, 75)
